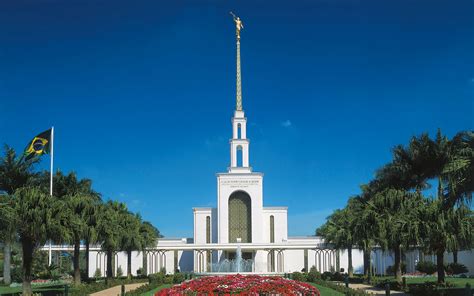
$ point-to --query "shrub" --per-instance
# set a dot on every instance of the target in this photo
(49, 272)
(16, 274)
(433, 289)
(168, 279)
(156, 278)
(337, 276)
(391, 271)
(178, 278)
(456, 268)
(427, 267)
(119, 271)
(298, 276)
(327, 276)
(97, 273)
(381, 283)
(313, 275)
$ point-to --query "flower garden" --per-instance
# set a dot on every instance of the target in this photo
(240, 285)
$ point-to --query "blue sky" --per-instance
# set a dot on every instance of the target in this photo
(141, 94)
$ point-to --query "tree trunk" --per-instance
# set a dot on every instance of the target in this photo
(109, 273)
(440, 265)
(77, 270)
(398, 263)
(87, 258)
(455, 257)
(129, 264)
(27, 248)
(366, 263)
(350, 268)
(145, 263)
(7, 256)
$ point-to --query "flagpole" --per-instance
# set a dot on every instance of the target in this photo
(52, 160)
(50, 255)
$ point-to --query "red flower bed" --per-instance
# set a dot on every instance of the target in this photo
(240, 285)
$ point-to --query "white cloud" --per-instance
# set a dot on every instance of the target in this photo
(286, 123)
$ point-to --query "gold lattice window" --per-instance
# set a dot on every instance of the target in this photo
(272, 229)
(208, 230)
(240, 217)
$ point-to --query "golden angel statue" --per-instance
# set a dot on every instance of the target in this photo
(238, 24)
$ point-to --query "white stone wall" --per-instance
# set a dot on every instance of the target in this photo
(280, 215)
(227, 184)
(357, 260)
(200, 216)
(293, 260)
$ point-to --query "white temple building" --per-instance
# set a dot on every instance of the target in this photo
(242, 221)
(239, 220)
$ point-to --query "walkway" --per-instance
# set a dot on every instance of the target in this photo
(375, 291)
(114, 291)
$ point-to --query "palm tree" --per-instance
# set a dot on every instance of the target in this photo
(398, 214)
(149, 234)
(338, 231)
(109, 230)
(7, 233)
(15, 173)
(365, 228)
(451, 162)
(79, 198)
(457, 174)
(131, 238)
(91, 213)
(38, 217)
(445, 230)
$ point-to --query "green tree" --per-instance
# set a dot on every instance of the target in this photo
(338, 231)
(15, 173)
(79, 198)
(445, 230)
(91, 213)
(398, 215)
(457, 173)
(149, 234)
(39, 217)
(131, 238)
(450, 162)
(110, 231)
(365, 229)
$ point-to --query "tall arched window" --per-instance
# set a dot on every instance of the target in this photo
(208, 230)
(239, 131)
(240, 217)
(272, 240)
(208, 241)
(272, 229)
(239, 156)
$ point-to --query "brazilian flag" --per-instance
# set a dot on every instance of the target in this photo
(41, 144)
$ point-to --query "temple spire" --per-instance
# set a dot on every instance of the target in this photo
(239, 25)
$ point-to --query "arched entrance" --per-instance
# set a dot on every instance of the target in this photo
(240, 217)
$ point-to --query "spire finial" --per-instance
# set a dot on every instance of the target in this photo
(238, 25)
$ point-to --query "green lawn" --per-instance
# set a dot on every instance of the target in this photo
(458, 282)
(36, 288)
(152, 292)
(327, 291)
